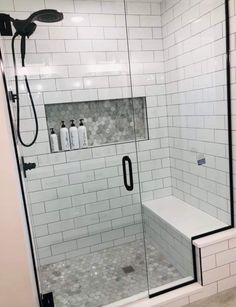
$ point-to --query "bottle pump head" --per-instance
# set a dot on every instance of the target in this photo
(72, 123)
(52, 131)
(63, 124)
(81, 122)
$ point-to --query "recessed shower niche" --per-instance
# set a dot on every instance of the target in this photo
(107, 121)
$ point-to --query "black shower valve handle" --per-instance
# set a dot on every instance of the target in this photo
(27, 166)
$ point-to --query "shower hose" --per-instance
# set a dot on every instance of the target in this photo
(18, 114)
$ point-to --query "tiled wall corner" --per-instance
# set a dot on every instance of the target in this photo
(194, 52)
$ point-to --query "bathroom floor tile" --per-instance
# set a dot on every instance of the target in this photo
(99, 278)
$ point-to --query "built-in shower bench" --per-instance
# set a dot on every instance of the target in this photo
(171, 224)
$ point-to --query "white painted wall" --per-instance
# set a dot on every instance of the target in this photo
(17, 285)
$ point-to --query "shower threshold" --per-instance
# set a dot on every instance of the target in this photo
(144, 295)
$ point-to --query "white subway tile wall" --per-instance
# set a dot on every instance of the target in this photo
(194, 53)
(77, 199)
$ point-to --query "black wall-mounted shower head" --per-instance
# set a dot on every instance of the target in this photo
(27, 26)
(46, 16)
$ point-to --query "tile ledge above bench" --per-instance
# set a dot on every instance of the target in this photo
(215, 238)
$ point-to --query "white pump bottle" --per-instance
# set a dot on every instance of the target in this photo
(54, 141)
(74, 136)
(64, 135)
(83, 140)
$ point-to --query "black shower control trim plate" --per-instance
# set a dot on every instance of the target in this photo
(5, 25)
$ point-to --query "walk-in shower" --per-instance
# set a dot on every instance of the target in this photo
(114, 220)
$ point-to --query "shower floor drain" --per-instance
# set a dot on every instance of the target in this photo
(128, 269)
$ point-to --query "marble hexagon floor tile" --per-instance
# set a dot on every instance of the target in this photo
(106, 276)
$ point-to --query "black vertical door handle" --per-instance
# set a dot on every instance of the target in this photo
(127, 162)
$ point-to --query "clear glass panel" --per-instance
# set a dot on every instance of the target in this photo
(87, 227)
(177, 51)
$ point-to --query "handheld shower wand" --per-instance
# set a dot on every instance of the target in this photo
(25, 28)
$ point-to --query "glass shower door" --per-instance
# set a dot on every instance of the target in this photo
(83, 204)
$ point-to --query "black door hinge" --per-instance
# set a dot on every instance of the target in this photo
(12, 97)
(47, 300)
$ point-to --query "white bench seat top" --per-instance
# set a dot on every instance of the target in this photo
(185, 218)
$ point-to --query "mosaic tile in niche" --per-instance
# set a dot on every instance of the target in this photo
(107, 121)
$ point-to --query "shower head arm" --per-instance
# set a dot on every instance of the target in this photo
(24, 28)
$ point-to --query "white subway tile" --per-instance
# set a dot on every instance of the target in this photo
(46, 218)
(57, 204)
(50, 45)
(64, 247)
(62, 6)
(63, 33)
(49, 240)
(138, 8)
(112, 235)
(39, 196)
(58, 227)
(78, 45)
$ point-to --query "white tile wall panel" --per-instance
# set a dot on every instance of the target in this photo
(49, 240)
(67, 168)
(81, 177)
(57, 97)
(138, 8)
(55, 182)
(70, 190)
(112, 235)
(50, 46)
(45, 218)
(37, 208)
(39, 196)
(40, 231)
(99, 228)
(22, 4)
(85, 198)
(44, 252)
(97, 207)
(60, 248)
(192, 62)
(60, 226)
(9, 6)
(89, 241)
(72, 212)
(63, 6)
(216, 274)
(86, 220)
(75, 233)
(57, 204)
(78, 45)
